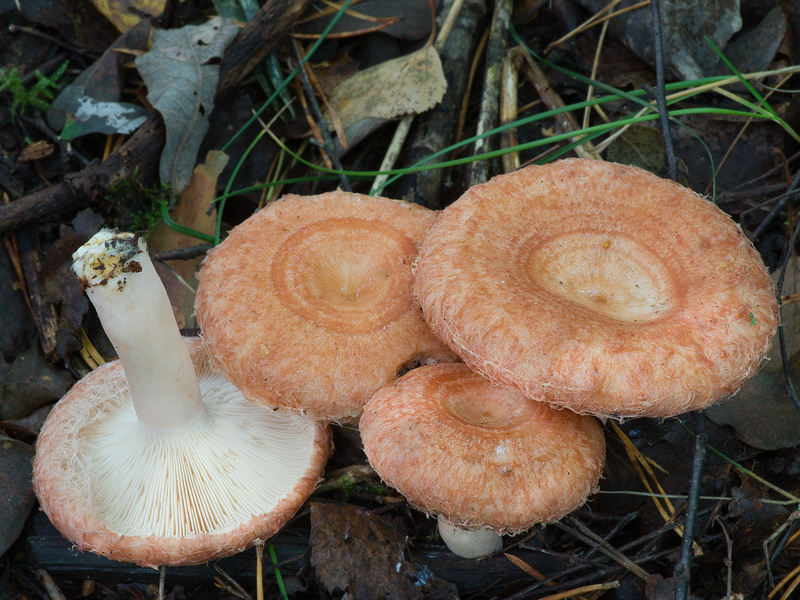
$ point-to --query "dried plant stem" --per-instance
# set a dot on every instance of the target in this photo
(259, 569)
(487, 119)
(565, 121)
(50, 586)
(449, 23)
(401, 133)
(728, 559)
(659, 91)
(162, 582)
(611, 585)
(682, 569)
(509, 108)
(399, 137)
(330, 149)
(596, 19)
(586, 535)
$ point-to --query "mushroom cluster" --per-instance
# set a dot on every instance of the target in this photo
(579, 285)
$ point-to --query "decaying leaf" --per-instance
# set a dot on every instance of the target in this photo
(406, 85)
(16, 492)
(124, 14)
(685, 26)
(30, 383)
(181, 87)
(91, 103)
(761, 413)
(353, 550)
(193, 211)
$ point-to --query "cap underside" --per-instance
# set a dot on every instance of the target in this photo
(119, 489)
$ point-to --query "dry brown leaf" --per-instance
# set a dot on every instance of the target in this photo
(353, 550)
(124, 14)
(192, 211)
(410, 84)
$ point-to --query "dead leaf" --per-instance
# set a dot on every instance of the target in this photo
(124, 14)
(685, 26)
(761, 413)
(641, 146)
(193, 210)
(353, 550)
(35, 151)
(29, 425)
(181, 86)
(16, 492)
(406, 85)
(91, 103)
(790, 317)
(30, 383)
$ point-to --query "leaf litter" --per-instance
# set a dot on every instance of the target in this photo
(399, 539)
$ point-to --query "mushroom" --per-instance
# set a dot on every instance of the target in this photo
(308, 304)
(598, 287)
(483, 458)
(155, 458)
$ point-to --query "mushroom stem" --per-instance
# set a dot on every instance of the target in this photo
(137, 316)
(469, 543)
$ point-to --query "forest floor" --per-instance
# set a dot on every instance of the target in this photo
(698, 505)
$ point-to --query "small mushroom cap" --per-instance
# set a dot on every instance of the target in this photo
(598, 287)
(308, 304)
(480, 455)
(114, 487)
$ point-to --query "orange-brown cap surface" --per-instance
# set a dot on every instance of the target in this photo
(308, 304)
(117, 488)
(477, 454)
(598, 287)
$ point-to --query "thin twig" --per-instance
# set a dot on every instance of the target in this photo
(449, 23)
(659, 93)
(487, 118)
(185, 253)
(683, 568)
(728, 559)
(788, 529)
(782, 200)
(162, 582)
(396, 145)
(259, 569)
(589, 537)
(323, 124)
(50, 585)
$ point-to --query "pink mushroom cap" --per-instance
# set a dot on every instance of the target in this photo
(480, 455)
(308, 305)
(598, 287)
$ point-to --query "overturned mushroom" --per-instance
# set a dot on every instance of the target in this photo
(155, 458)
(484, 459)
(308, 304)
(598, 287)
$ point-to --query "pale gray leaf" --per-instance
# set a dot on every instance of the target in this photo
(181, 87)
